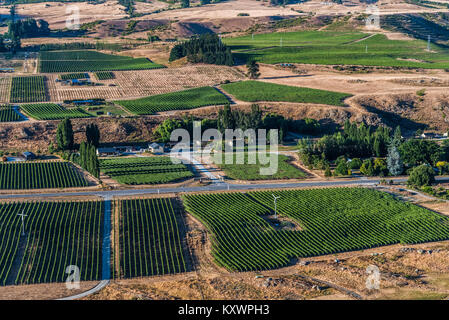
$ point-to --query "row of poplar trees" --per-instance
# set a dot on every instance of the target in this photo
(87, 158)
(88, 150)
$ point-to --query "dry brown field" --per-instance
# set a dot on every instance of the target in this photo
(136, 84)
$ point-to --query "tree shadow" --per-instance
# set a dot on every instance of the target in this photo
(392, 119)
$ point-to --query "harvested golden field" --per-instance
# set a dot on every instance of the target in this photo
(56, 13)
(385, 6)
(226, 9)
(135, 84)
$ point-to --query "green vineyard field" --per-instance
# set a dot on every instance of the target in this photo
(52, 111)
(247, 171)
(151, 241)
(76, 75)
(254, 91)
(38, 175)
(7, 114)
(332, 47)
(313, 222)
(87, 60)
(57, 235)
(148, 170)
(28, 89)
(104, 75)
(187, 99)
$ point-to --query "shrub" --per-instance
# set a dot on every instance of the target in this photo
(328, 172)
(380, 167)
(355, 163)
(420, 176)
(367, 168)
(421, 92)
(341, 169)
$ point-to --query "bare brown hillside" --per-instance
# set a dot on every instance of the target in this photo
(409, 110)
(36, 135)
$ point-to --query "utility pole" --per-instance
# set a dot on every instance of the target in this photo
(281, 42)
(23, 225)
(275, 205)
(252, 36)
(428, 42)
(25, 69)
(366, 49)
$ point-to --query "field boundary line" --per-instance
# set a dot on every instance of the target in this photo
(361, 39)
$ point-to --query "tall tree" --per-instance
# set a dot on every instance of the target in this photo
(255, 117)
(417, 151)
(397, 136)
(207, 48)
(445, 149)
(253, 69)
(88, 159)
(64, 135)
(2, 45)
(394, 162)
(12, 13)
(44, 27)
(82, 151)
(93, 134)
(225, 118)
(177, 52)
(15, 43)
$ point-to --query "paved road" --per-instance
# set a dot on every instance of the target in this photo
(98, 287)
(212, 187)
(189, 157)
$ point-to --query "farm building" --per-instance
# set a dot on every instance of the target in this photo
(79, 82)
(6, 69)
(28, 155)
(119, 150)
(130, 149)
(156, 147)
(84, 102)
(103, 152)
(430, 135)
